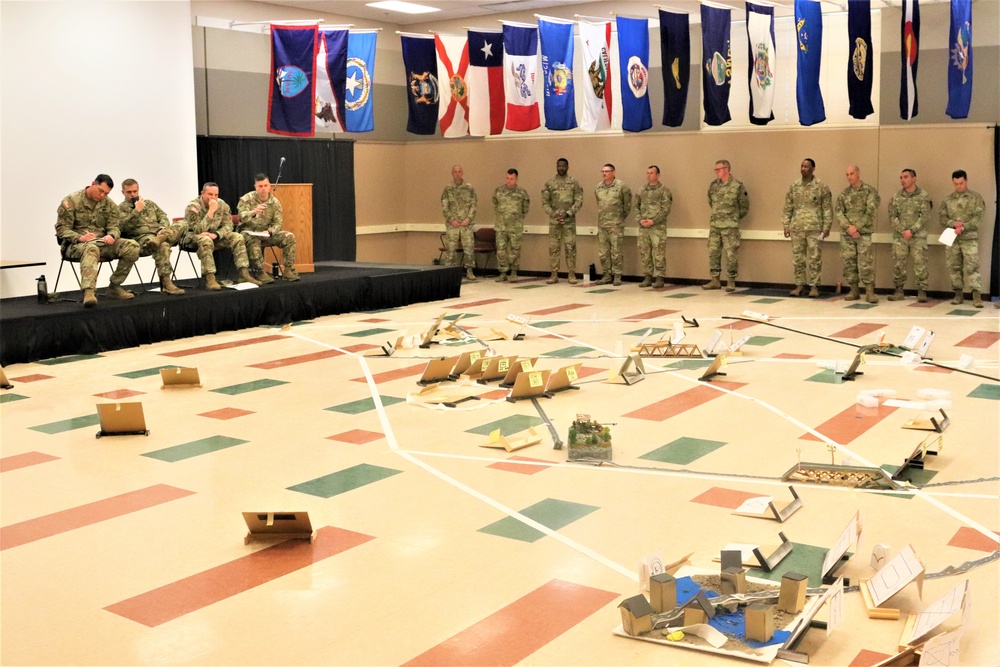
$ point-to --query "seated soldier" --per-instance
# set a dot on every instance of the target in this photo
(260, 222)
(146, 223)
(209, 221)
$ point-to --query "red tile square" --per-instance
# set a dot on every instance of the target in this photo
(360, 347)
(357, 436)
(859, 330)
(558, 309)
(32, 378)
(494, 395)
(980, 340)
(867, 658)
(728, 498)
(650, 315)
(587, 371)
(226, 413)
(967, 538)
(739, 325)
(518, 467)
(789, 355)
(9, 463)
(119, 393)
(374, 320)
(932, 369)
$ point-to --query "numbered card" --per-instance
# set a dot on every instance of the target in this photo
(484, 365)
(862, 362)
(517, 319)
(571, 374)
(474, 357)
(526, 365)
(535, 379)
(503, 365)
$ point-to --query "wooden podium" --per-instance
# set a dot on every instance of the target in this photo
(297, 208)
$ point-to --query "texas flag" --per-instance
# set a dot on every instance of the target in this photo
(453, 70)
(520, 67)
(485, 80)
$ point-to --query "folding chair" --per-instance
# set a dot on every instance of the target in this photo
(443, 248)
(486, 244)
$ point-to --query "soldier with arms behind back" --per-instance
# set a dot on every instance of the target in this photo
(510, 205)
(727, 197)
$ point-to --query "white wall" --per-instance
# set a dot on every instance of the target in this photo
(90, 87)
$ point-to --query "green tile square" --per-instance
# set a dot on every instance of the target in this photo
(68, 359)
(145, 372)
(464, 316)
(530, 286)
(961, 312)
(686, 364)
(549, 323)
(763, 340)
(601, 290)
(991, 391)
(683, 451)
(10, 398)
(551, 513)
(915, 476)
(767, 299)
(804, 559)
(364, 405)
(68, 424)
(369, 332)
(859, 306)
(195, 448)
(345, 480)
(681, 295)
(508, 425)
(513, 529)
(246, 387)
(826, 376)
(567, 352)
(638, 332)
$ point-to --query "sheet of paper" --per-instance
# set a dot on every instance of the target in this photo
(939, 612)
(948, 237)
(835, 606)
(242, 286)
(706, 632)
(843, 543)
(895, 575)
(262, 235)
(756, 505)
(942, 650)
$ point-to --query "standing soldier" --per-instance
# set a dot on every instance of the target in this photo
(562, 197)
(807, 221)
(962, 211)
(909, 210)
(729, 203)
(209, 220)
(857, 207)
(146, 223)
(261, 218)
(652, 205)
(614, 201)
(510, 205)
(458, 206)
(87, 229)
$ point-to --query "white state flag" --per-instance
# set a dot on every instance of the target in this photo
(453, 68)
(326, 103)
(595, 79)
(764, 60)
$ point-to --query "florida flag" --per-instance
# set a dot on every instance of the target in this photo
(520, 67)
(453, 68)
(486, 98)
(595, 41)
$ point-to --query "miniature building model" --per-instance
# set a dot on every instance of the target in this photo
(759, 622)
(662, 592)
(637, 615)
(792, 596)
(734, 580)
(698, 609)
(588, 439)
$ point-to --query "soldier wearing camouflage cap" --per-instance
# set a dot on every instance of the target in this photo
(857, 208)
(510, 205)
(146, 223)
(807, 219)
(729, 203)
(652, 205)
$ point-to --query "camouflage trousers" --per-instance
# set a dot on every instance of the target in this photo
(205, 246)
(728, 240)
(161, 254)
(858, 256)
(963, 257)
(452, 235)
(653, 250)
(255, 253)
(902, 249)
(560, 235)
(90, 254)
(609, 247)
(807, 257)
(509, 246)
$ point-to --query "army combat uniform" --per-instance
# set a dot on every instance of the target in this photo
(808, 213)
(269, 220)
(614, 202)
(909, 211)
(963, 255)
(155, 234)
(653, 203)
(729, 204)
(858, 207)
(78, 215)
(565, 196)
(221, 224)
(458, 202)
(510, 205)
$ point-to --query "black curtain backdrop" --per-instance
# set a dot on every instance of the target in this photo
(328, 164)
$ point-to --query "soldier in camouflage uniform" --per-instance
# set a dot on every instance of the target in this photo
(209, 221)
(857, 208)
(728, 200)
(962, 211)
(562, 198)
(652, 205)
(146, 223)
(458, 206)
(807, 220)
(614, 201)
(260, 213)
(909, 210)
(510, 205)
(87, 226)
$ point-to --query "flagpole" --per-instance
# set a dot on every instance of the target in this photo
(591, 18)
(553, 19)
(233, 24)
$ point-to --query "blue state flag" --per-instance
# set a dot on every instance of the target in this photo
(633, 61)
(293, 83)
(960, 60)
(809, 38)
(359, 84)
(675, 59)
(422, 92)
(716, 64)
(859, 61)
(557, 74)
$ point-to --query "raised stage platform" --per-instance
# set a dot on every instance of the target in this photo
(30, 331)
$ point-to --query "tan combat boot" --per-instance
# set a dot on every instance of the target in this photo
(617, 282)
(921, 296)
(470, 276)
(572, 278)
(513, 276)
(290, 274)
(870, 296)
(959, 298)
(501, 278)
(647, 281)
(89, 298)
(211, 283)
(245, 277)
(797, 291)
(731, 285)
(713, 283)
(118, 292)
(813, 292)
(605, 279)
(263, 276)
(553, 279)
(977, 300)
(658, 283)
(167, 286)
(897, 294)
(853, 295)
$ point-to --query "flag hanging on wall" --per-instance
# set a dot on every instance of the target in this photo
(556, 39)
(675, 59)
(809, 38)
(595, 43)
(331, 77)
(633, 68)
(716, 64)
(859, 62)
(520, 66)
(359, 84)
(422, 90)
(761, 62)
(293, 82)
(487, 106)
(453, 68)
(909, 43)
(960, 62)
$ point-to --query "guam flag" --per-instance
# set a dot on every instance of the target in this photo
(762, 61)
(716, 64)
(293, 82)
(331, 77)
(595, 44)
(422, 94)
(675, 59)
(859, 64)
(960, 63)
(557, 73)
(809, 37)
(487, 108)
(909, 41)
(360, 75)
(520, 65)
(633, 66)
(453, 68)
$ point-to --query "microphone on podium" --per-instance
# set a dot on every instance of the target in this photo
(281, 164)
